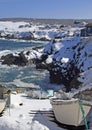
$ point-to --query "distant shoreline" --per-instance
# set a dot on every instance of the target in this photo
(46, 21)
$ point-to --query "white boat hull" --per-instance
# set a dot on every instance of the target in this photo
(2, 105)
(69, 112)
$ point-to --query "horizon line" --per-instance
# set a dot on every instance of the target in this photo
(46, 18)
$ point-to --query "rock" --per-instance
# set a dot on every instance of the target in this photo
(43, 39)
(84, 95)
(68, 62)
(25, 36)
(76, 22)
(10, 59)
(41, 66)
(21, 26)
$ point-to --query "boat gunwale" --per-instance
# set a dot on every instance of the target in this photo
(69, 101)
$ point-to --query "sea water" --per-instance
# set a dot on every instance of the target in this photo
(28, 76)
(16, 44)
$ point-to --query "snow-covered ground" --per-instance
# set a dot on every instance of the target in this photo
(29, 31)
(34, 114)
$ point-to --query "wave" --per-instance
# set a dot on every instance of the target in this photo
(4, 52)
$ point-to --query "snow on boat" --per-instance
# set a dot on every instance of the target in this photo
(2, 105)
(69, 111)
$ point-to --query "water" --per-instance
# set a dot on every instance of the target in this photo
(14, 76)
(17, 45)
(22, 76)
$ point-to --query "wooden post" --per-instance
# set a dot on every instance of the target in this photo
(9, 94)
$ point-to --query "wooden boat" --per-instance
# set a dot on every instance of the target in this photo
(2, 105)
(3, 99)
(69, 111)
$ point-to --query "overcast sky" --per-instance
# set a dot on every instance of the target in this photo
(46, 9)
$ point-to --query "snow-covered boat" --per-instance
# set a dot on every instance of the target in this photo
(2, 105)
(70, 112)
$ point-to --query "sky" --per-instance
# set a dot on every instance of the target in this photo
(56, 9)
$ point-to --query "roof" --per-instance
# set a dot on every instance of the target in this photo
(89, 24)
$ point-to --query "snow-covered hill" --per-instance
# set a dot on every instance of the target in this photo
(68, 57)
(69, 61)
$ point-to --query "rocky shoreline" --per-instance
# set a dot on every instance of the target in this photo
(67, 56)
(64, 64)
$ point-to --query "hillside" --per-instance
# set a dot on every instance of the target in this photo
(70, 61)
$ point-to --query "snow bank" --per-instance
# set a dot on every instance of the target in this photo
(32, 115)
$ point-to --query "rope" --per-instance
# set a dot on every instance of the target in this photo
(83, 114)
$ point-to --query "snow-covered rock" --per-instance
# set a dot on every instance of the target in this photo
(70, 58)
(31, 31)
(69, 61)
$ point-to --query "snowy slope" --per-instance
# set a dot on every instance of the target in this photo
(71, 60)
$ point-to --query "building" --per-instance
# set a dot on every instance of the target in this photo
(87, 31)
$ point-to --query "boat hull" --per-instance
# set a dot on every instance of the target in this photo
(69, 112)
(2, 105)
